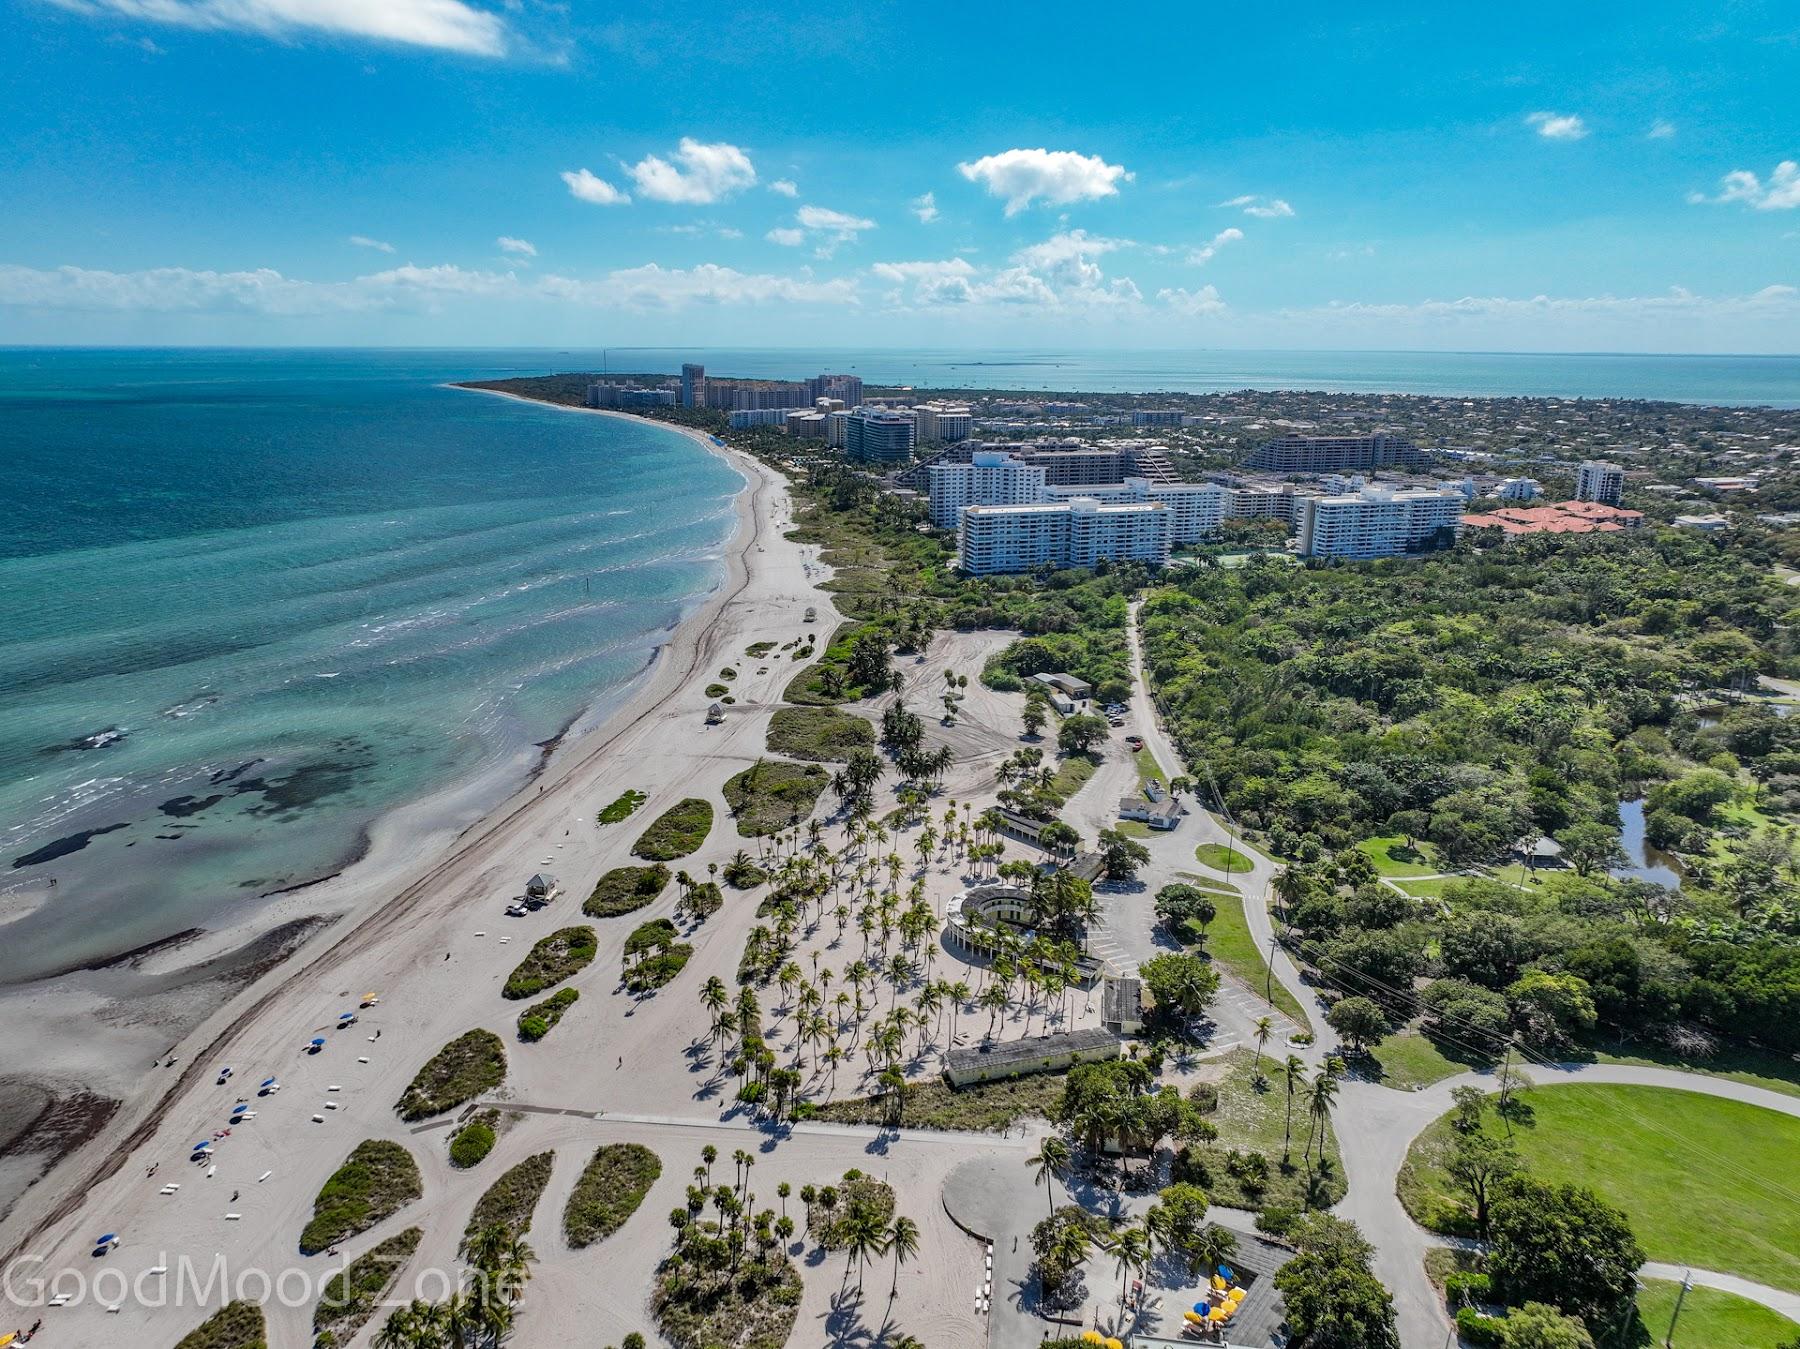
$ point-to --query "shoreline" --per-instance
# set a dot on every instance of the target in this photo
(393, 863)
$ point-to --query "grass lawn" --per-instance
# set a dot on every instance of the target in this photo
(611, 1187)
(1133, 829)
(510, 1200)
(982, 1106)
(818, 733)
(378, 1179)
(1221, 858)
(1753, 1067)
(1072, 774)
(1211, 884)
(1391, 857)
(621, 808)
(472, 1063)
(1228, 942)
(625, 889)
(1699, 1177)
(678, 831)
(236, 1325)
(354, 1294)
(1149, 770)
(770, 794)
(1409, 1061)
(1432, 888)
(1709, 1319)
(1249, 1120)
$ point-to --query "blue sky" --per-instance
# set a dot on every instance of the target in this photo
(1560, 176)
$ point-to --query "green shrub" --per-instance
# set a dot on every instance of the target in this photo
(472, 1063)
(820, 733)
(1467, 1286)
(611, 1187)
(678, 831)
(717, 690)
(236, 1325)
(1476, 1328)
(622, 808)
(539, 1019)
(353, 1294)
(379, 1178)
(509, 1201)
(626, 888)
(562, 955)
(701, 901)
(471, 1144)
(770, 794)
(661, 956)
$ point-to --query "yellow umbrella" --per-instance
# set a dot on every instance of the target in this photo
(1115, 1344)
(1093, 1337)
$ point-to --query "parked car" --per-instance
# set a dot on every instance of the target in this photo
(1134, 741)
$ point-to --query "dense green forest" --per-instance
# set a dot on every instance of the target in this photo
(1468, 702)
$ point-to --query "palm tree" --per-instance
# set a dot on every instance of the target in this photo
(865, 1237)
(1319, 1100)
(1265, 1027)
(1211, 1247)
(1130, 1251)
(903, 1241)
(1295, 1071)
(1052, 1156)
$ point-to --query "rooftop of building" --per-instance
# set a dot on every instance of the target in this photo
(1011, 1053)
(1562, 517)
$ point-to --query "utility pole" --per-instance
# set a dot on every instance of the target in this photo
(1687, 1282)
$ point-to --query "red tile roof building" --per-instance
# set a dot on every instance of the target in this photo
(1566, 517)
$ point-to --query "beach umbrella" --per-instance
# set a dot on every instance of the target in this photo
(108, 1239)
(202, 1147)
(268, 1081)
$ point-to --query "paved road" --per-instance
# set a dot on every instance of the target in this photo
(1376, 1125)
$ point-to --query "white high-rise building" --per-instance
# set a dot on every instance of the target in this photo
(1076, 533)
(1377, 522)
(877, 436)
(990, 478)
(1196, 509)
(1602, 482)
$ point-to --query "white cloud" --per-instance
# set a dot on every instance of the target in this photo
(1067, 259)
(1263, 208)
(175, 290)
(655, 287)
(364, 241)
(832, 222)
(701, 173)
(925, 207)
(826, 227)
(1055, 177)
(1661, 130)
(448, 25)
(1058, 273)
(1677, 303)
(1557, 126)
(584, 186)
(1206, 252)
(1781, 192)
(785, 186)
(1193, 303)
(523, 248)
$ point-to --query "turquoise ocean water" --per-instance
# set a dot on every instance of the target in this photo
(253, 600)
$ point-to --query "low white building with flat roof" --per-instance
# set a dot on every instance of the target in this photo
(1077, 533)
(1378, 522)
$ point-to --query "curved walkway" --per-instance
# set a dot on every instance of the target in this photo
(1377, 1125)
